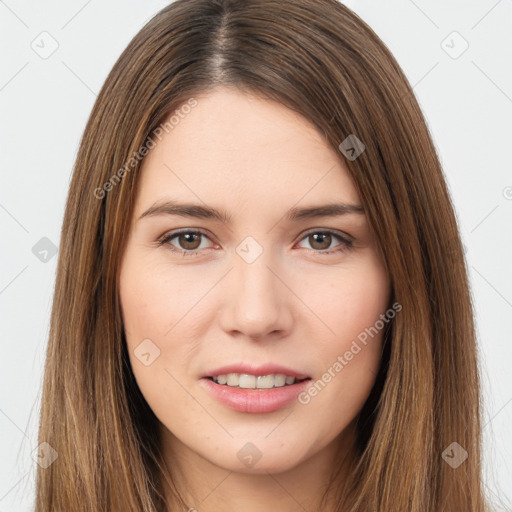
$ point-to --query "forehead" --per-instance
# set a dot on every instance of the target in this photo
(244, 151)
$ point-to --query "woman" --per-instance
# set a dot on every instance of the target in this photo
(261, 297)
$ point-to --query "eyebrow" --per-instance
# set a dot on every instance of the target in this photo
(206, 212)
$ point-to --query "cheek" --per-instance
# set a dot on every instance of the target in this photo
(352, 307)
(149, 306)
(152, 303)
(353, 299)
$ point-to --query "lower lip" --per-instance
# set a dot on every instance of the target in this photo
(254, 400)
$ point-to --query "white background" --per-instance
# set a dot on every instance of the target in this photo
(44, 105)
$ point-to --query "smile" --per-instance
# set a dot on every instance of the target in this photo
(248, 381)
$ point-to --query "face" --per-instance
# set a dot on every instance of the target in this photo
(268, 286)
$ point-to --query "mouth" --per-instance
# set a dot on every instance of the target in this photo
(257, 394)
(249, 381)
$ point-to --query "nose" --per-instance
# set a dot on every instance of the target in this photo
(256, 301)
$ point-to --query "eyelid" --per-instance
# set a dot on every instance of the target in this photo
(344, 236)
(346, 240)
(169, 235)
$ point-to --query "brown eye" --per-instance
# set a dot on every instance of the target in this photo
(186, 242)
(320, 241)
(189, 241)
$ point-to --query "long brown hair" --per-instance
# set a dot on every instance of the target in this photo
(321, 60)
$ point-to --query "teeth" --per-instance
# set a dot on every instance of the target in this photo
(279, 380)
(245, 381)
(232, 379)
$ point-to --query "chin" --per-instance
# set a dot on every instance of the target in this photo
(258, 457)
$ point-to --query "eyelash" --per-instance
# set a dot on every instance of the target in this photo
(345, 245)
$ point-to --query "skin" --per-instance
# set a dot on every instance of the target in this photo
(294, 306)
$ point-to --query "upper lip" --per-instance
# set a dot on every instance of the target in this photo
(265, 369)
